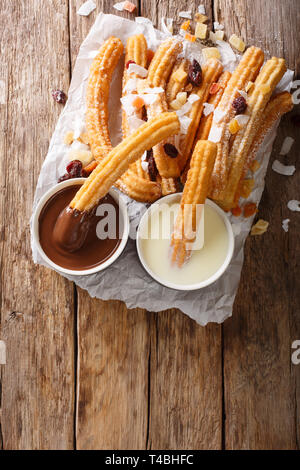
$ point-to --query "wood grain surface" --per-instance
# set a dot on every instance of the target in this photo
(88, 374)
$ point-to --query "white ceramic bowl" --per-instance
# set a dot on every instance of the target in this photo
(173, 198)
(100, 267)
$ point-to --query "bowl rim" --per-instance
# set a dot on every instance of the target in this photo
(187, 287)
(35, 229)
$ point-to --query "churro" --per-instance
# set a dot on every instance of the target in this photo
(119, 159)
(210, 73)
(97, 96)
(139, 188)
(246, 71)
(194, 194)
(168, 186)
(265, 84)
(158, 74)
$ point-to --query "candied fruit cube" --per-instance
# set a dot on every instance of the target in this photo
(180, 76)
(201, 30)
(211, 52)
(219, 35)
(190, 37)
(237, 43)
(234, 126)
(185, 25)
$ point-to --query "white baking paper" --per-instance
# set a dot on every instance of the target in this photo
(126, 279)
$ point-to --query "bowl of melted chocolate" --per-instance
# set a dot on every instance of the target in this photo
(105, 230)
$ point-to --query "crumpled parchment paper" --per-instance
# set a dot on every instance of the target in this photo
(126, 279)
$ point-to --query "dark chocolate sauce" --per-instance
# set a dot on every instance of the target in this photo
(72, 243)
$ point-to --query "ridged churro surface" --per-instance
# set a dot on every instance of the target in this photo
(194, 194)
(97, 96)
(111, 168)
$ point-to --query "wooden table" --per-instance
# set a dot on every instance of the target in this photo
(87, 374)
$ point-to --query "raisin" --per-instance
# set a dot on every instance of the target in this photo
(195, 73)
(239, 105)
(152, 169)
(74, 169)
(59, 96)
(64, 177)
(129, 62)
(171, 150)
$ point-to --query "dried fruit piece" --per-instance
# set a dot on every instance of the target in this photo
(199, 18)
(129, 6)
(64, 177)
(214, 88)
(59, 96)
(211, 53)
(152, 168)
(247, 188)
(236, 211)
(239, 105)
(185, 25)
(171, 150)
(195, 73)
(74, 169)
(129, 62)
(201, 30)
(236, 42)
(234, 126)
(260, 227)
(190, 37)
(255, 165)
(87, 170)
(250, 209)
(219, 35)
(69, 138)
(138, 103)
(179, 76)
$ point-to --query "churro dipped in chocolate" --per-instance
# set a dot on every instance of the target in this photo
(108, 171)
(194, 194)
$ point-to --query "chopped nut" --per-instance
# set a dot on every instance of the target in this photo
(69, 138)
(179, 76)
(190, 37)
(199, 18)
(260, 227)
(255, 165)
(236, 42)
(247, 188)
(233, 126)
(84, 138)
(201, 31)
(185, 25)
(219, 35)
(129, 6)
(211, 52)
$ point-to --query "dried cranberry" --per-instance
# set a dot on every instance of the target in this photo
(239, 105)
(129, 62)
(59, 96)
(64, 177)
(195, 73)
(171, 150)
(296, 120)
(152, 169)
(74, 169)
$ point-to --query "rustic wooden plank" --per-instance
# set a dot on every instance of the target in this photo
(112, 375)
(113, 344)
(186, 373)
(37, 394)
(262, 388)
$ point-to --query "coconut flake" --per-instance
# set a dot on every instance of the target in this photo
(242, 119)
(76, 145)
(131, 85)
(149, 98)
(294, 205)
(287, 145)
(201, 9)
(145, 166)
(193, 98)
(208, 109)
(286, 170)
(144, 156)
(184, 124)
(218, 115)
(215, 134)
(243, 94)
(285, 224)
(134, 123)
(119, 6)
(87, 8)
(184, 109)
(236, 228)
(186, 14)
(143, 20)
(138, 70)
(218, 26)
(127, 105)
(227, 54)
(157, 89)
(167, 28)
(79, 128)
